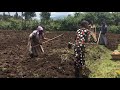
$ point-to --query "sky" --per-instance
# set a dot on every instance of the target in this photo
(53, 14)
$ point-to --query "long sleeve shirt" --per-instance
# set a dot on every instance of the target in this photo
(103, 29)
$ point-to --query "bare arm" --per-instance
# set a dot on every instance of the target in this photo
(44, 37)
(29, 41)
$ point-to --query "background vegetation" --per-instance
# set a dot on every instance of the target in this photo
(69, 23)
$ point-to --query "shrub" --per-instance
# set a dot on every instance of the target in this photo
(114, 29)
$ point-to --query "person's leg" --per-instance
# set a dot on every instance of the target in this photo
(41, 48)
(101, 39)
(31, 52)
(34, 49)
(30, 43)
(82, 59)
(38, 50)
(77, 71)
(35, 52)
(105, 40)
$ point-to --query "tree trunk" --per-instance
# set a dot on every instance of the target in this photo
(9, 13)
(22, 20)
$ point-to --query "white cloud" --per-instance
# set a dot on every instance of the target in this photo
(55, 14)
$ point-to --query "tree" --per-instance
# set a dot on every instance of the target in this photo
(9, 13)
(45, 17)
(4, 16)
(29, 15)
(16, 15)
(1, 17)
(116, 17)
(22, 18)
(103, 16)
(98, 17)
(77, 14)
(91, 16)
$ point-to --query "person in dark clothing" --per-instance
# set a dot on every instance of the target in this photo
(103, 29)
(79, 48)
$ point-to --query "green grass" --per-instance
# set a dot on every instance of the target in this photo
(98, 60)
(103, 67)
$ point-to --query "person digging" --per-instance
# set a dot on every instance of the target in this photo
(35, 42)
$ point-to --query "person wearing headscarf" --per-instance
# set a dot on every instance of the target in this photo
(35, 42)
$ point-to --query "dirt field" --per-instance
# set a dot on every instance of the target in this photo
(15, 62)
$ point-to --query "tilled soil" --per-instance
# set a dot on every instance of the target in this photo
(15, 62)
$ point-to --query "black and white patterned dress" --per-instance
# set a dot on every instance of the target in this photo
(79, 49)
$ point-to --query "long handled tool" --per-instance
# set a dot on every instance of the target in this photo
(99, 37)
(53, 38)
(49, 40)
(43, 42)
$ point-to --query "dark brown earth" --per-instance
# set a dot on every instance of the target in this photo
(15, 62)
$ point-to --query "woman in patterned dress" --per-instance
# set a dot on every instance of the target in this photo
(79, 49)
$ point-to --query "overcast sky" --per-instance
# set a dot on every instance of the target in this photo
(53, 14)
